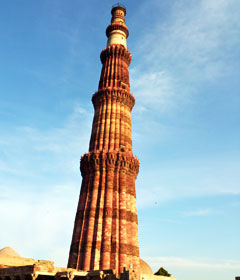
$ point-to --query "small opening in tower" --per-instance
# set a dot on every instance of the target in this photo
(122, 148)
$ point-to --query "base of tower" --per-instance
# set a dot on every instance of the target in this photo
(45, 270)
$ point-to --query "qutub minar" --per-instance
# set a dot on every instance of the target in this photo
(105, 235)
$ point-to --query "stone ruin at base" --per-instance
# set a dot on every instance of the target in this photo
(14, 267)
(105, 236)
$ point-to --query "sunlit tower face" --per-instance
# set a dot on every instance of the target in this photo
(105, 234)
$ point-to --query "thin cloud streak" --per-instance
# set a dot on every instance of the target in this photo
(25, 146)
(175, 262)
(204, 178)
(186, 51)
(47, 217)
(199, 213)
(154, 90)
(35, 186)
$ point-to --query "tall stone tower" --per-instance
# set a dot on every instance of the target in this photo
(105, 234)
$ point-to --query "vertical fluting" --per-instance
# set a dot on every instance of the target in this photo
(108, 71)
(95, 127)
(117, 126)
(91, 220)
(78, 222)
(122, 128)
(125, 126)
(107, 124)
(105, 232)
(133, 218)
(122, 221)
(112, 125)
(128, 214)
(102, 125)
(114, 67)
(84, 225)
(95, 145)
(107, 221)
(96, 254)
(115, 222)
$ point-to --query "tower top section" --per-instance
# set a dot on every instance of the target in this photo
(118, 6)
(117, 31)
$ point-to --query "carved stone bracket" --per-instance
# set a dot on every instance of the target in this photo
(118, 95)
(109, 160)
(117, 26)
(117, 50)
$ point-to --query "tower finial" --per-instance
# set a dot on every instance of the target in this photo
(117, 31)
(117, 6)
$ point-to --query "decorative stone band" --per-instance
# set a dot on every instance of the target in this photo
(111, 212)
(116, 50)
(122, 161)
(118, 95)
(127, 249)
(117, 26)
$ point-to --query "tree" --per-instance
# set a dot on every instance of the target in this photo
(162, 272)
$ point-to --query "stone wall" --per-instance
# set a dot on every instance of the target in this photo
(8, 261)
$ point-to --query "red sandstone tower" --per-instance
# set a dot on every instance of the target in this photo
(105, 234)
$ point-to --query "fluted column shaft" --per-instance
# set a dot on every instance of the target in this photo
(105, 233)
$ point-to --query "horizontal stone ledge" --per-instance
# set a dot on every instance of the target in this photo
(116, 94)
(120, 160)
(117, 26)
(116, 50)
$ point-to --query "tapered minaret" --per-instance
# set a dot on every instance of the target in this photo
(105, 234)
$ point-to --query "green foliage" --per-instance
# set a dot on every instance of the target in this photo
(162, 272)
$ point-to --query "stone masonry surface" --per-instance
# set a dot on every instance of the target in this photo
(105, 234)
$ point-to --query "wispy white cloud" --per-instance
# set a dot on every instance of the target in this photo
(199, 213)
(199, 178)
(175, 262)
(54, 148)
(235, 204)
(5, 168)
(41, 220)
(193, 46)
(154, 90)
(196, 32)
(37, 197)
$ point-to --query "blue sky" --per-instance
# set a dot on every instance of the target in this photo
(185, 78)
